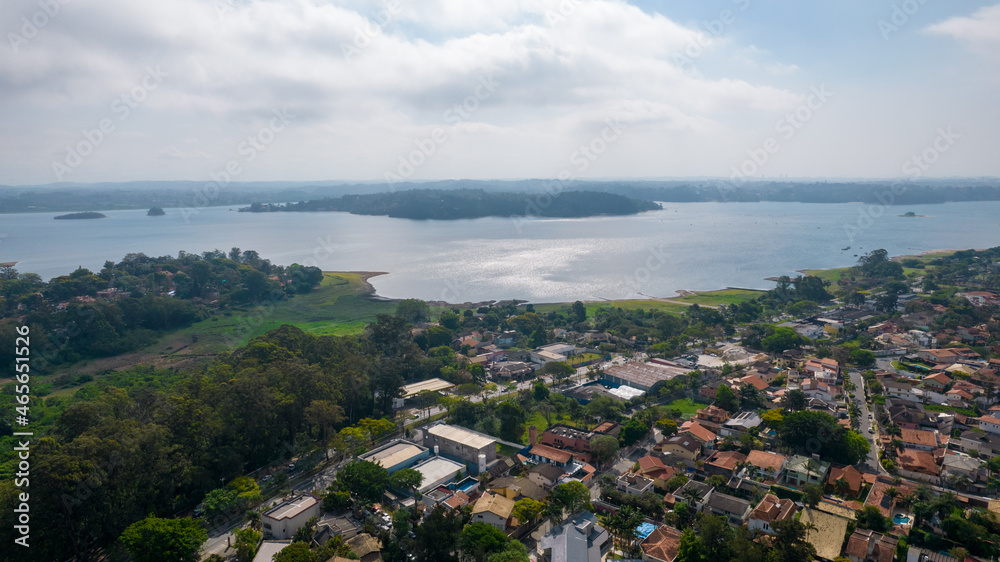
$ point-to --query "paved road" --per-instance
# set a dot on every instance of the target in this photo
(866, 422)
(217, 540)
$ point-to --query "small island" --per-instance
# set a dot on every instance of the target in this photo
(78, 216)
(910, 214)
(155, 212)
(436, 204)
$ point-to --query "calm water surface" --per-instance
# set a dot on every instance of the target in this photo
(694, 246)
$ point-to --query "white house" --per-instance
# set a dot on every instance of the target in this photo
(282, 521)
(989, 424)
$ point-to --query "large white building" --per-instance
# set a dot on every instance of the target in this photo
(462, 444)
(282, 521)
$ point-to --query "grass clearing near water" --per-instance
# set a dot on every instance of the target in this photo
(339, 306)
(719, 298)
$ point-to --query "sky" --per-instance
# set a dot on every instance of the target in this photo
(407, 90)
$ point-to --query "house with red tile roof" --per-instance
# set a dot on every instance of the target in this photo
(712, 414)
(457, 500)
(754, 381)
(544, 453)
(880, 499)
(653, 468)
(866, 545)
(851, 475)
(921, 439)
(661, 545)
(701, 432)
(771, 465)
(769, 511)
(724, 462)
(917, 462)
(936, 381)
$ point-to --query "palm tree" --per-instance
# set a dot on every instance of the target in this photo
(253, 518)
(692, 496)
(959, 481)
(812, 467)
(842, 486)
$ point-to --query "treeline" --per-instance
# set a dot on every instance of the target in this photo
(903, 192)
(152, 441)
(126, 305)
(469, 203)
(142, 195)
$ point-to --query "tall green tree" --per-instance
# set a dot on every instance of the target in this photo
(479, 540)
(567, 499)
(364, 480)
(725, 398)
(164, 540)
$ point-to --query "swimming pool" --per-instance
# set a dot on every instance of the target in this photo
(901, 519)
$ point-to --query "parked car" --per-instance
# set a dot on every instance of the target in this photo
(291, 467)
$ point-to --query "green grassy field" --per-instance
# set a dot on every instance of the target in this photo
(831, 275)
(719, 298)
(583, 358)
(339, 306)
(538, 420)
(687, 406)
(630, 304)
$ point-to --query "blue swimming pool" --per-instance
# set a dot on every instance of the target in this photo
(901, 519)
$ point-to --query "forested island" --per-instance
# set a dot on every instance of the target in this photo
(155, 212)
(81, 216)
(439, 204)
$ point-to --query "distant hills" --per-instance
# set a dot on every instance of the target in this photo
(438, 204)
(172, 194)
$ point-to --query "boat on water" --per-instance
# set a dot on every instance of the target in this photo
(845, 249)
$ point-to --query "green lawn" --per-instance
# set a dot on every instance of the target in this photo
(339, 306)
(719, 298)
(538, 420)
(505, 450)
(583, 358)
(687, 406)
(831, 275)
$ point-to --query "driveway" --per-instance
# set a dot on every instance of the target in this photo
(862, 403)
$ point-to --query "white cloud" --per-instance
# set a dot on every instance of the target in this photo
(980, 31)
(560, 73)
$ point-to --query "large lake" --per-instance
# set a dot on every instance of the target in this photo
(694, 246)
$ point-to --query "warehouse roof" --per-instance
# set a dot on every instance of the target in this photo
(433, 385)
(461, 435)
